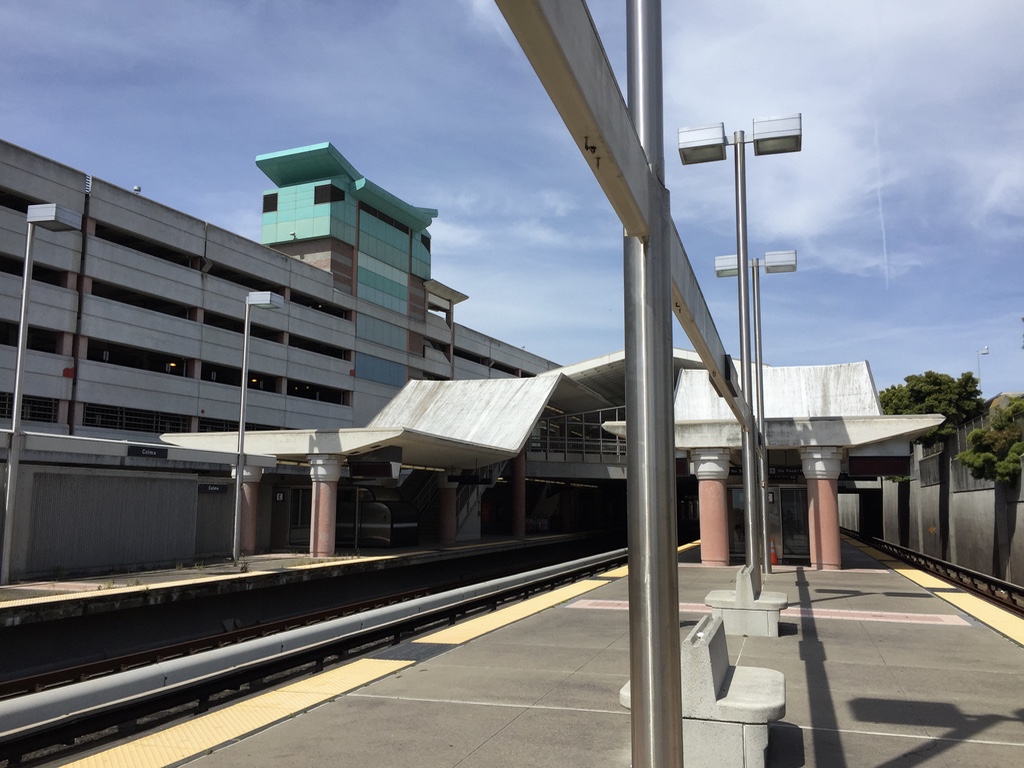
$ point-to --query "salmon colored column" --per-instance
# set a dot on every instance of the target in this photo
(249, 520)
(519, 495)
(325, 471)
(711, 466)
(446, 518)
(821, 468)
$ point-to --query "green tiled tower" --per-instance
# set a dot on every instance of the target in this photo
(324, 211)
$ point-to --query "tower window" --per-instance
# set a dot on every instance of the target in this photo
(270, 202)
(327, 193)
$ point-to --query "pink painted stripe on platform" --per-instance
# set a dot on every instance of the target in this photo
(801, 613)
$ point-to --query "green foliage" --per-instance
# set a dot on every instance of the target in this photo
(997, 447)
(959, 400)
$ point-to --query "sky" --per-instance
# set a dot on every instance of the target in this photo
(905, 204)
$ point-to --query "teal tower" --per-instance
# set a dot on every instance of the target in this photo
(376, 246)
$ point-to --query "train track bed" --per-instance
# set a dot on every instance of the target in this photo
(63, 711)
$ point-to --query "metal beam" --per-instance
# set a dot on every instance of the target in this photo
(561, 42)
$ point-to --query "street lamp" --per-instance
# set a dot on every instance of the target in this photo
(55, 218)
(266, 300)
(983, 351)
(771, 135)
(773, 262)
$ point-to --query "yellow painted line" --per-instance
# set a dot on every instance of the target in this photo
(206, 732)
(481, 625)
(919, 577)
(999, 619)
(622, 571)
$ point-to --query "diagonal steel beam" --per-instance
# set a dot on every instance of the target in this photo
(565, 50)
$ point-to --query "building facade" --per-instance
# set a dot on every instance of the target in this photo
(136, 327)
(136, 322)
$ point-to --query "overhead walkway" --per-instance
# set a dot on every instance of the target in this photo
(576, 446)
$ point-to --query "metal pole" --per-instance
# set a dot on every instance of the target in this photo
(236, 545)
(766, 555)
(355, 531)
(14, 449)
(750, 496)
(656, 709)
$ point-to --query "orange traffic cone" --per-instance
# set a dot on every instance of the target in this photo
(775, 558)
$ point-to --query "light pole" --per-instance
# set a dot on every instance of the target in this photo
(55, 218)
(266, 300)
(772, 135)
(726, 266)
(983, 351)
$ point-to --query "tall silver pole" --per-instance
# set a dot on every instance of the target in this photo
(750, 495)
(656, 708)
(236, 543)
(14, 450)
(766, 555)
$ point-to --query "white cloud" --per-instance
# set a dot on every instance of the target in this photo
(905, 202)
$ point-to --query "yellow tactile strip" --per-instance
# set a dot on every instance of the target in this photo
(998, 618)
(233, 722)
(620, 572)
(209, 731)
(481, 625)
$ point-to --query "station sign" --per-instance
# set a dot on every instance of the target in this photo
(147, 451)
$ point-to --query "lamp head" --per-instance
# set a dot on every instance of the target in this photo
(726, 266)
(776, 135)
(53, 217)
(702, 145)
(265, 299)
(779, 261)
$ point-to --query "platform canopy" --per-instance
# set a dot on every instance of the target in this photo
(820, 405)
(436, 424)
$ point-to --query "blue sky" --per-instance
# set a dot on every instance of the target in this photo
(906, 204)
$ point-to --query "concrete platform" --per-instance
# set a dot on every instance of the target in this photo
(882, 669)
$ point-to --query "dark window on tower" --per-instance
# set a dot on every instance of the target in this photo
(426, 242)
(327, 193)
(367, 208)
(270, 202)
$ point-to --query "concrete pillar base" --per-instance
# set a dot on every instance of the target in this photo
(821, 468)
(325, 471)
(711, 466)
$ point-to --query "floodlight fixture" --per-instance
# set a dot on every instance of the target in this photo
(726, 266)
(264, 300)
(55, 218)
(705, 144)
(779, 261)
(777, 135)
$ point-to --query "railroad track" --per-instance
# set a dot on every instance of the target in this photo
(1002, 593)
(50, 712)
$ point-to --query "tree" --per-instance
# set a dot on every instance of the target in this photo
(959, 400)
(996, 448)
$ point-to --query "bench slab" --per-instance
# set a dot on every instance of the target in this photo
(745, 613)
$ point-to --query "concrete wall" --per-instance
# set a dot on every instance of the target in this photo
(94, 520)
(973, 524)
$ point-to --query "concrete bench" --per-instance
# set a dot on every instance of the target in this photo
(726, 709)
(745, 613)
